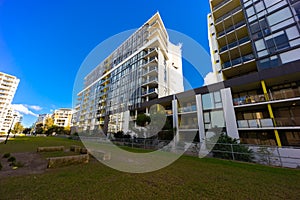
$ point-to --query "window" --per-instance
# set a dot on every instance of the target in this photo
(250, 11)
(212, 101)
(279, 16)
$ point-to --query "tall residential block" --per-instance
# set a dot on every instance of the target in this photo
(146, 66)
(62, 117)
(8, 87)
(255, 47)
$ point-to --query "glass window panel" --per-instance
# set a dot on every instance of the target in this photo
(250, 11)
(206, 117)
(217, 119)
(292, 32)
(260, 45)
(259, 6)
(217, 96)
(271, 2)
(282, 24)
(279, 5)
(262, 53)
(295, 42)
(207, 101)
(279, 16)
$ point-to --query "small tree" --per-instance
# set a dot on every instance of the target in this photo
(142, 120)
(48, 124)
(27, 131)
(18, 128)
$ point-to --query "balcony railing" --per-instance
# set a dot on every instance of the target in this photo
(231, 28)
(273, 96)
(255, 123)
(287, 121)
(150, 91)
(234, 44)
(220, 4)
(228, 14)
(152, 68)
(191, 108)
(238, 61)
(152, 79)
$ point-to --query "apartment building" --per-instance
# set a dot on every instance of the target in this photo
(8, 87)
(62, 117)
(12, 117)
(42, 118)
(146, 66)
(255, 47)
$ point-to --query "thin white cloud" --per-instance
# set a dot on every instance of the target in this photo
(23, 109)
(210, 78)
(34, 107)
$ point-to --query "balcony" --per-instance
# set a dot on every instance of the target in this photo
(186, 109)
(273, 96)
(287, 121)
(220, 4)
(153, 59)
(238, 61)
(231, 28)
(152, 92)
(234, 44)
(239, 8)
(150, 81)
(151, 52)
(255, 123)
(150, 71)
(249, 99)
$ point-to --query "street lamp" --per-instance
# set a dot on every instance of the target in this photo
(9, 130)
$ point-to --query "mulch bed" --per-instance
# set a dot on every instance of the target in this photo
(33, 163)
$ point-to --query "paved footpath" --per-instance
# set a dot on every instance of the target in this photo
(2, 139)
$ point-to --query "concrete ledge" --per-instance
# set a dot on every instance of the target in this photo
(50, 149)
(67, 160)
(99, 154)
(75, 148)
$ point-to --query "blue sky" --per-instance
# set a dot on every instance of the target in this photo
(44, 42)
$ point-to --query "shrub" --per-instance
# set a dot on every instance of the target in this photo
(17, 164)
(229, 148)
(6, 155)
(0, 166)
(11, 159)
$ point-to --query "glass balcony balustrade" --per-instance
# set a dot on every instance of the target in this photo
(238, 61)
(255, 123)
(273, 96)
(234, 44)
(231, 28)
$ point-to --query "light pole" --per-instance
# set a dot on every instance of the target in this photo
(9, 130)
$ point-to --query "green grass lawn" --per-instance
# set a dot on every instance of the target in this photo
(187, 178)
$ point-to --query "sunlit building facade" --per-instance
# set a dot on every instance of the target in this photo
(255, 47)
(8, 87)
(146, 66)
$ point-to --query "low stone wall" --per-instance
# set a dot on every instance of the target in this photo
(67, 160)
(99, 154)
(50, 149)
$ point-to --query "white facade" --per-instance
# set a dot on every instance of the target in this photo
(145, 67)
(62, 117)
(8, 87)
(12, 117)
(214, 49)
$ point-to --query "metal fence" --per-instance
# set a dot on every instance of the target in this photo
(266, 155)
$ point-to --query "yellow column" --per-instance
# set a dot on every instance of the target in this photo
(271, 112)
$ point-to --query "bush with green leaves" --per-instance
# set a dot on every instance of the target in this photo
(6, 155)
(229, 148)
(11, 159)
